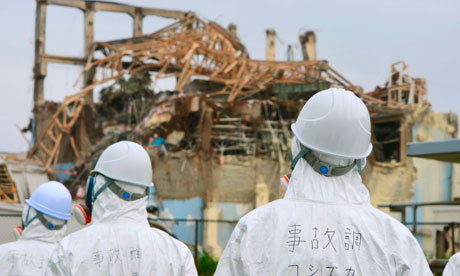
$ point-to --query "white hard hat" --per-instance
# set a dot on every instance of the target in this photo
(53, 199)
(126, 161)
(335, 122)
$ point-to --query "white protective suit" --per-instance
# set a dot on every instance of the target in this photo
(453, 266)
(30, 253)
(323, 226)
(119, 241)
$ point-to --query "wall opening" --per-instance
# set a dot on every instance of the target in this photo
(387, 140)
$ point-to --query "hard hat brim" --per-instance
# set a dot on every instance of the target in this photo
(47, 211)
(312, 147)
(117, 178)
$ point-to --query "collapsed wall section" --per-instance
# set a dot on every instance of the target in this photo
(400, 179)
(235, 179)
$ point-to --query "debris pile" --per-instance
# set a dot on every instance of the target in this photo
(224, 106)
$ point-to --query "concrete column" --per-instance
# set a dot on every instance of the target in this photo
(270, 49)
(308, 43)
(290, 53)
(261, 189)
(88, 22)
(137, 22)
(211, 230)
(455, 181)
(233, 30)
(39, 65)
(262, 194)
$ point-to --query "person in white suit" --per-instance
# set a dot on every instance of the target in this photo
(119, 240)
(325, 224)
(44, 219)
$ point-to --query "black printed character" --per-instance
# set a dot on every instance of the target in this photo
(330, 235)
(294, 238)
(114, 255)
(296, 269)
(311, 268)
(332, 268)
(352, 240)
(350, 271)
(314, 241)
(98, 258)
(135, 253)
(357, 240)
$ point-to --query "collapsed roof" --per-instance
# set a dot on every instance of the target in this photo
(210, 63)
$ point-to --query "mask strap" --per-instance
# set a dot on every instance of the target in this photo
(27, 217)
(27, 221)
(358, 164)
(301, 154)
(318, 165)
(89, 192)
(126, 195)
(110, 181)
(120, 192)
(48, 224)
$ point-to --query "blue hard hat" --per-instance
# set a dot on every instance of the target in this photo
(52, 199)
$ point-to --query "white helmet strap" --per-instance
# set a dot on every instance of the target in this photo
(322, 167)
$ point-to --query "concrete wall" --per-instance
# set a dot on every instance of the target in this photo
(212, 236)
(417, 179)
(433, 181)
(188, 209)
(411, 180)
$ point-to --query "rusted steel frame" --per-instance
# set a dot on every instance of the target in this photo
(74, 147)
(239, 89)
(54, 154)
(340, 76)
(60, 110)
(185, 71)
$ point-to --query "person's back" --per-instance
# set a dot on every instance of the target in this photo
(322, 230)
(453, 266)
(119, 240)
(25, 256)
(30, 253)
(325, 224)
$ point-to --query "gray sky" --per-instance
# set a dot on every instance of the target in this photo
(359, 38)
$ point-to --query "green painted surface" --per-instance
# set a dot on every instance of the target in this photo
(284, 91)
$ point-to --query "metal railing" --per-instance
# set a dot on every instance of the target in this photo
(437, 265)
(197, 223)
(401, 208)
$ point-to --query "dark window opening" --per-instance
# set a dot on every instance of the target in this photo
(387, 141)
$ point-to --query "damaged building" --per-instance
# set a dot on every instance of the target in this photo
(220, 139)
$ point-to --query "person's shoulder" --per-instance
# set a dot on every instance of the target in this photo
(260, 215)
(160, 233)
(166, 238)
(19, 245)
(263, 210)
(82, 234)
(395, 231)
(388, 220)
(8, 246)
(455, 257)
